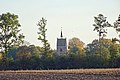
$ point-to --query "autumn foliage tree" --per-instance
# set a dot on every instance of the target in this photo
(76, 46)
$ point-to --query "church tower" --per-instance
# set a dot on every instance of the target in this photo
(61, 45)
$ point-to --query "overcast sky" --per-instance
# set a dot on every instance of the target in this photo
(76, 17)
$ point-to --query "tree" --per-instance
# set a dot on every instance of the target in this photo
(0, 57)
(115, 54)
(23, 53)
(114, 50)
(93, 49)
(101, 25)
(117, 25)
(9, 32)
(23, 58)
(76, 46)
(42, 36)
(35, 51)
(94, 46)
(115, 40)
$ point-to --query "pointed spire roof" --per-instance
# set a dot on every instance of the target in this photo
(61, 33)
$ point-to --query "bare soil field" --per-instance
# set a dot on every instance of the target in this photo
(74, 74)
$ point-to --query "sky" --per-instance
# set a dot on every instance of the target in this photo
(76, 17)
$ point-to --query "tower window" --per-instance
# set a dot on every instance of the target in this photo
(61, 50)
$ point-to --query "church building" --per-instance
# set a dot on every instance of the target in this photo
(61, 45)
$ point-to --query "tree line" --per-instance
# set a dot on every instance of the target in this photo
(16, 55)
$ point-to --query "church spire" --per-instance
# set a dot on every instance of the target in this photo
(61, 33)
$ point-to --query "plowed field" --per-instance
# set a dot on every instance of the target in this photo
(75, 74)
